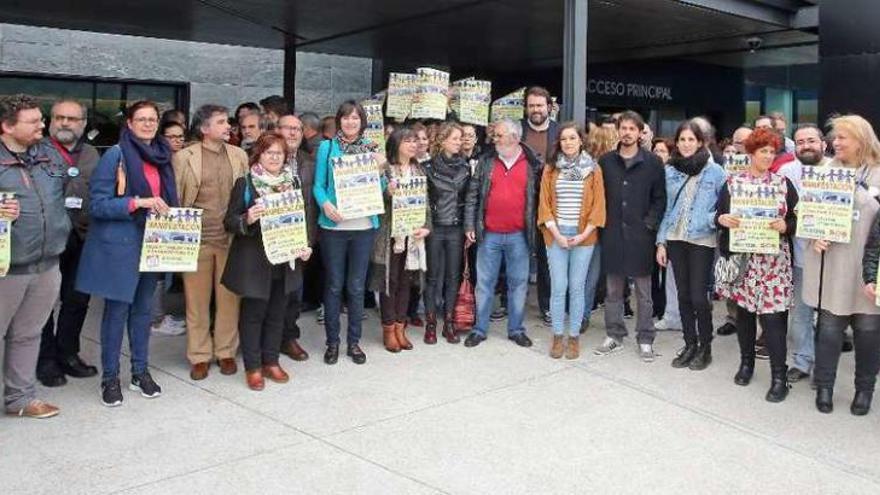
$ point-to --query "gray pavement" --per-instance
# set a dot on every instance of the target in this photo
(445, 419)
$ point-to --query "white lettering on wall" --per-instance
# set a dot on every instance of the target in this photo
(606, 87)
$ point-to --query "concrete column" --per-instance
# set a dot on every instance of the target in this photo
(574, 81)
(289, 70)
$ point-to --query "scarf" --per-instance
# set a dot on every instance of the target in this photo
(691, 165)
(356, 146)
(266, 183)
(575, 169)
(157, 153)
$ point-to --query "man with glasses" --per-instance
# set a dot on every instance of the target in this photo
(205, 173)
(59, 347)
(35, 173)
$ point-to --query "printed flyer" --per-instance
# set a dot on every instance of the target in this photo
(736, 164)
(431, 96)
(509, 106)
(756, 205)
(474, 100)
(825, 206)
(454, 91)
(400, 94)
(409, 205)
(171, 242)
(375, 130)
(283, 226)
(5, 237)
(358, 189)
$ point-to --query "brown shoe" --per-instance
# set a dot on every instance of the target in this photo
(228, 366)
(199, 371)
(449, 330)
(292, 349)
(275, 373)
(556, 347)
(400, 332)
(36, 409)
(389, 337)
(573, 349)
(254, 379)
(431, 329)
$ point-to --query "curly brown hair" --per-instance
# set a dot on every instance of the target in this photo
(446, 129)
(264, 143)
(11, 105)
(760, 138)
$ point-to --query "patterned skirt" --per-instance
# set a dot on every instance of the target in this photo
(767, 285)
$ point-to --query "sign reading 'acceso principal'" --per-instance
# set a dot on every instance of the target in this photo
(606, 87)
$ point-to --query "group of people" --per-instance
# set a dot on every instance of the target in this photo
(606, 208)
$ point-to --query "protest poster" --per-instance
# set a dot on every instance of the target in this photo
(474, 100)
(431, 96)
(283, 226)
(171, 241)
(400, 94)
(736, 164)
(454, 94)
(5, 237)
(375, 130)
(825, 206)
(409, 205)
(509, 106)
(756, 206)
(358, 189)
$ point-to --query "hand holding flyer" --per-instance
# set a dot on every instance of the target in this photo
(171, 241)
(283, 226)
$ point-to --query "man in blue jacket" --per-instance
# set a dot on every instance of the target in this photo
(35, 173)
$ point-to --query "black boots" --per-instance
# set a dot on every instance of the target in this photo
(703, 358)
(449, 330)
(861, 403)
(686, 356)
(430, 329)
(778, 386)
(746, 369)
(824, 400)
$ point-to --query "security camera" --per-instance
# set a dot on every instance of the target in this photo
(754, 43)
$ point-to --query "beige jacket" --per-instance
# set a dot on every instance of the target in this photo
(188, 172)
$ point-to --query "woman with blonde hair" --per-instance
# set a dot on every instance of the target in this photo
(601, 140)
(848, 281)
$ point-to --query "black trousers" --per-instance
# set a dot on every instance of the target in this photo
(260, 325)
(543, 277)
(692, 265)
(313, 279)
(445, 249)
(291, 316)
(775, 327)
(393, 305)
(866, 341)
(658, 290)
(57, 344)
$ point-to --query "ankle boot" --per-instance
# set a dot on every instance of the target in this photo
(861, 403)
(556, 347)
(573, 349)
(825, 400)
(778, 386)
(746, 369)
(449, 330)
(431, 328)
(400, 332)
(389, 337)
(703, 358)
(687, 355)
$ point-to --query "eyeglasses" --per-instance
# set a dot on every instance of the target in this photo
(145, 120)
(274, 154)
(31, 122)
(68, 118)
(176, 137)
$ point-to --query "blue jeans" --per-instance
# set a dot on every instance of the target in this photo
(568, 273)
(346, 256)
(592, 282)
(137, 315)
(800, 327)
(514, 250)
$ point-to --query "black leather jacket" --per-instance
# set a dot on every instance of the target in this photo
(446, 193)
(872, 254)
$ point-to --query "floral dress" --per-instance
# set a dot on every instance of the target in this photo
(766, 286)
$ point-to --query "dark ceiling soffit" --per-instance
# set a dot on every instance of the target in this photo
(647, 54)
(226, 9)
(745, 9)
(806, 18)
(394, 22)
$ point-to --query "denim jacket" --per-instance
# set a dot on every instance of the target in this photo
(702, 215)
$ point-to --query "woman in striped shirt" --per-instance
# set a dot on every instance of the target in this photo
(571, 208)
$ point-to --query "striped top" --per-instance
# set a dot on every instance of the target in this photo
(569, 198)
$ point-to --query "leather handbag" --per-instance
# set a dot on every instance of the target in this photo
(464, 313)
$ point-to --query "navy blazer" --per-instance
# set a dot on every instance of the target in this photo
(109, 266)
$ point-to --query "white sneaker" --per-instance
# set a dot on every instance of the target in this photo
(646, 352)
(664, 325)
(609, 346)
(169, 327)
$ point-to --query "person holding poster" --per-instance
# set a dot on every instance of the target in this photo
(762, 286)
(399, 257)
(132, 178)
(264, 288)
(687, 237)
(848, 284)
(346, 243)
(570, 212)
(32, 180)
